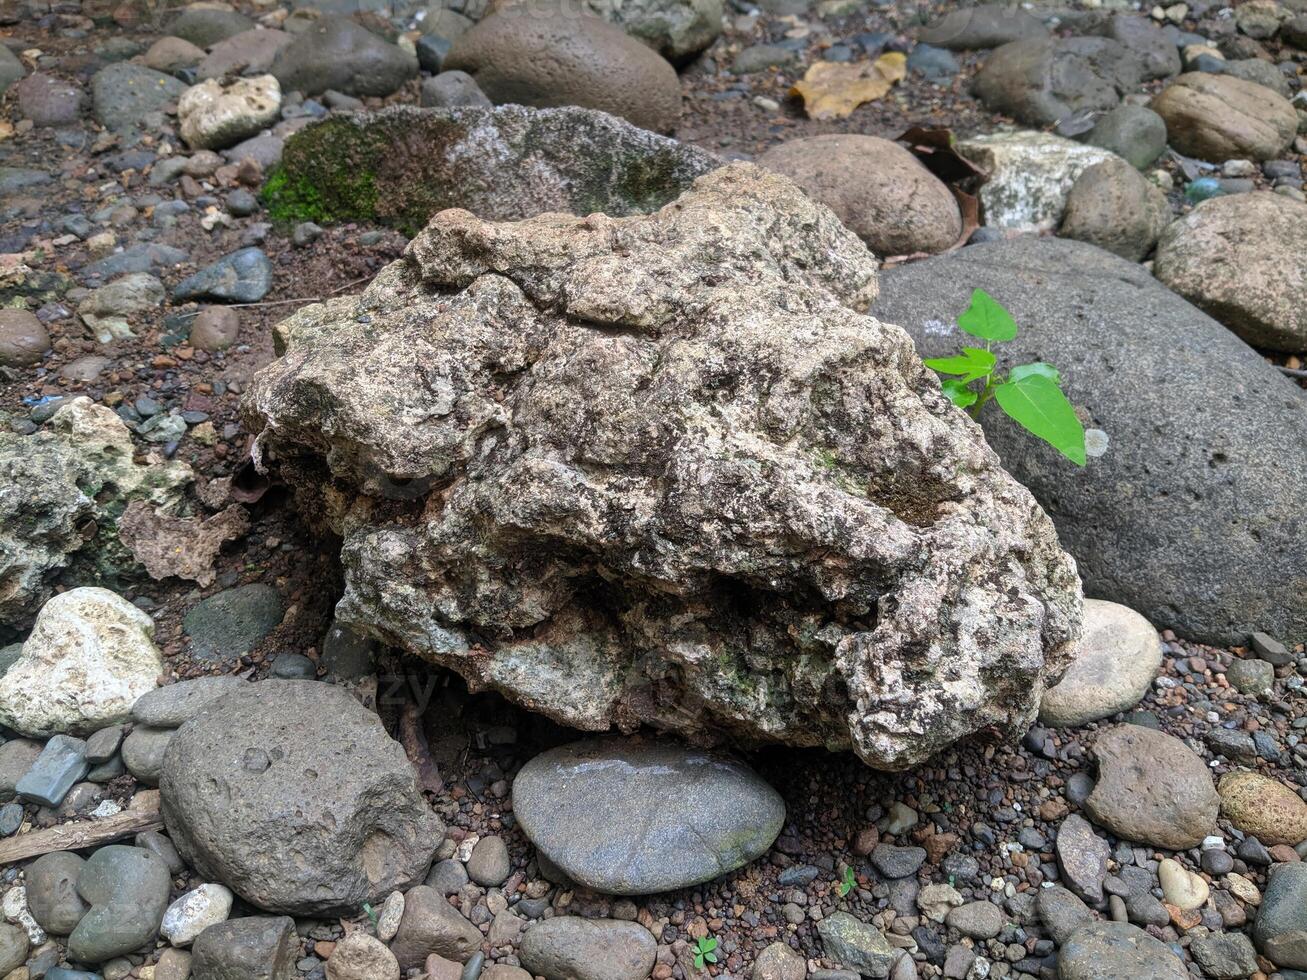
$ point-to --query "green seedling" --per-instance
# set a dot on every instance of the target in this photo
(705, 951)
(1030, 394)
(845, 884)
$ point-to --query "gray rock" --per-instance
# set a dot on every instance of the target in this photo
(1156, 51)
(451, 89)
(977, 920)
(431, 925)
(1042, 80)
(1237, 258)
(1271, 650)
(293, 667)
(52, 892)
(551, 54)
(1062, 912)
(855, 944)
(143, 753)
(240, 781)
(447, 877)
(1115, 335)
(1152, 789)
(226, 626)
(1112, 206)
(264, 150)
(1112, 950)
(347, 654)
(760, 57)
(588, 949)
(161, 847)
(1114, 664)
(1225, 955)
(17, 756)
(489, 864)
(244, 276)
(145, 257)
(1236, 746)
(252, 948)
(11, 818)
(123, 93)
(174, 704)
(14, 179)
(672, 817)
(897, 862)
(127, 889)
(988, 25)
(1258, 72)
(759, 683)
(206, 26)
(11, 68)
(1255, 677)
(14, 946)
(1135, 133)
(102, 745)
(502, 164)
(1082, 857)
(246, 53)
(49, 101)
(1280, 929)
(60, 765)
(336, 53)
(677, 29)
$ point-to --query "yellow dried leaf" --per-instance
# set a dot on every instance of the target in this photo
(6, 129)
(832, 90)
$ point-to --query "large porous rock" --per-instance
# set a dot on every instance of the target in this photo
(62, 490)
(303, 824)
(662, 469)
(549, 53)
(671, 818)
(1038, 81)
(336, 53)
(1220, 117)
(1240, 258)
(214, 116)
(402, 165)
(89, 658)
(676, 29)
(1030, 176)
(1130, 351)
(877, 188)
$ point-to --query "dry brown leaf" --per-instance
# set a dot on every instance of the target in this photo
(832, 89)
(181, 546)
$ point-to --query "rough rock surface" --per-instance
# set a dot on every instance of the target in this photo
(214, 116)
(1030, 176)
(877, 188)
(1220, 117)
(295, 824)
(670, 474)
(1113, 950)
(1113, 206)
(555, 55)
(684, 816)
(1038, 81)
(1239, 258)
(588, 949)
(402, 165)
(1129, 351)
(62, 490)
(90, 656)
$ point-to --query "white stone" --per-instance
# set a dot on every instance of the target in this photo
(194, 912)
(90, 655)
(214, 116)
(16, 911)
(105, 311)
(1181, 887)
(1030, 175)
(392, 911)
(1115, 661)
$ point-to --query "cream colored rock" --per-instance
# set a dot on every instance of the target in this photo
(360, 957)
(90, 655)
(192, 913)
(1030, 176)
(1263, 807)
(1112, 667)
(1184, 889)
(214, 116)
(877, 188)
(1220, 117)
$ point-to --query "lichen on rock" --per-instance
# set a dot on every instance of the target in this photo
(62, 490)
(664, 470)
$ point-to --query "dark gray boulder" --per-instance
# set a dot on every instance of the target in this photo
(671, 816)
(123, 93)
(252, 948)
(336, 53)
(292, 794)
(1193, 514)
(1038, 81)
(988, 25)
(1157, 53)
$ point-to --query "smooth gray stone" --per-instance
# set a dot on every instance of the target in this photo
(175, 704)
(226, 626)
(127, 888)
(1141, 363)
(244, 276)
(671, 817)
(60, 765)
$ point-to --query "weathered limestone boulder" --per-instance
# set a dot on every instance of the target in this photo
(663, 469)
(402, 165)
(214, 116)
(62, 490)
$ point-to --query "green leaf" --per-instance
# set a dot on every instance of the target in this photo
(1038, 367)
(986, 319)
(710, 957)
(708, 945)
(973, 363)
(958, 393)
(1039, 406)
